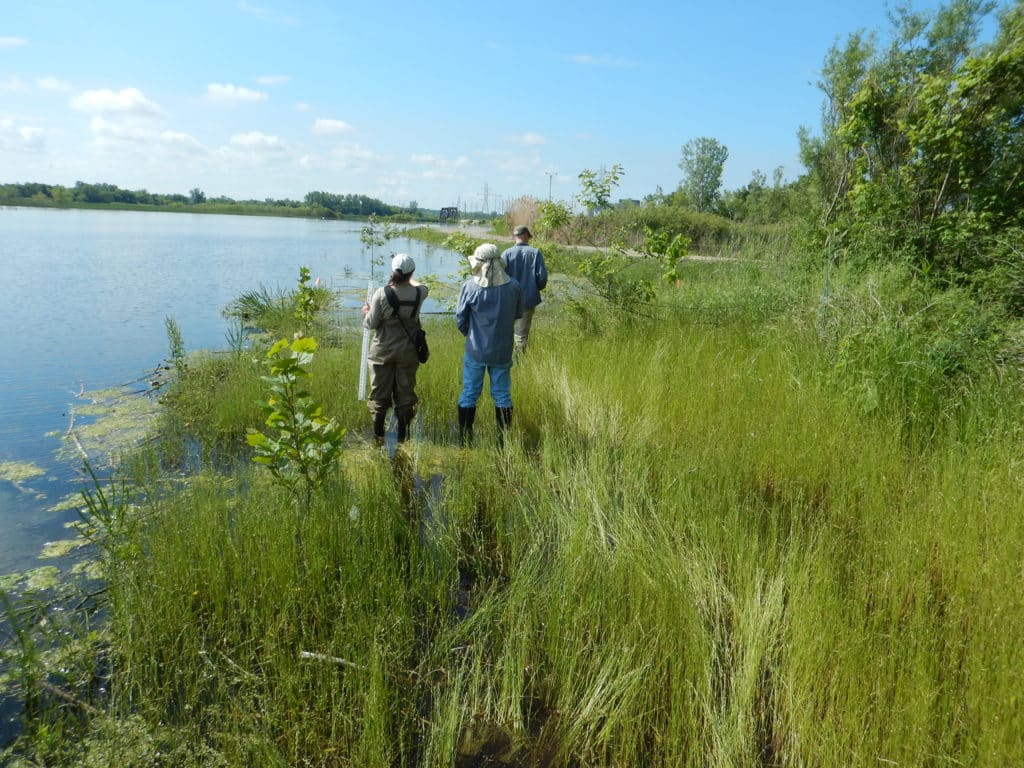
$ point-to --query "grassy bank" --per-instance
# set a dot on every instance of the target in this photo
(701, 547)
(223, 209)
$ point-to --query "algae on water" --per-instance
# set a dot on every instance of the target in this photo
(119, 420)
(61, 548)
(40, 579)
(19, 471)
(71, 501)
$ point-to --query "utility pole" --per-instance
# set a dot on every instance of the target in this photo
(550, 175)
(486, 193)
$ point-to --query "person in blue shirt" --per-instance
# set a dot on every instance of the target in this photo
(525, 264)
(489, 304)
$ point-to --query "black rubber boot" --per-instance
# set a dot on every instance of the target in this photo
(403, 429)
(378, 427)
(466, 418)
(504, 419)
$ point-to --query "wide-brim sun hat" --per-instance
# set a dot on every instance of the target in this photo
(488, 268)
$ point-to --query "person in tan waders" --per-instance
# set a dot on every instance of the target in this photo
(392, 356)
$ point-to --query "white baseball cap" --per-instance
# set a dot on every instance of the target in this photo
(402, 262)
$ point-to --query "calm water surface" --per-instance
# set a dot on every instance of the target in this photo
(83, 300)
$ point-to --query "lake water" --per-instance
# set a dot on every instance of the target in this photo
(84, 298)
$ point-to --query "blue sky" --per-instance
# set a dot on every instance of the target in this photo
(434, 102)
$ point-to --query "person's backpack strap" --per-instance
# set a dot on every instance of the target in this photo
(395, 302)
(419, 338)
(419, 300)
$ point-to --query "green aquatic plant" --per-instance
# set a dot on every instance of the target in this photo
(19, 471)
(303, 445)
(460, 243)
(279, 313)
(176, 345)
(309, 300)
(253, 308)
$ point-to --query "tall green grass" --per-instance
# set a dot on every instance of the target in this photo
(696, 550)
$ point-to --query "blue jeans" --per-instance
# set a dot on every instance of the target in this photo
(473, 383)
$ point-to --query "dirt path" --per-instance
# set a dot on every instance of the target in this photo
(486, 233)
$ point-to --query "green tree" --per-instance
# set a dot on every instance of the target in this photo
(702, 163)
(922, 142)
(196, 196)
(597, 186)
(553, 215)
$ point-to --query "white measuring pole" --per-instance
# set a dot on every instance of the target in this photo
(366, 347)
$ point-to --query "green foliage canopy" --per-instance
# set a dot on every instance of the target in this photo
(922, 151)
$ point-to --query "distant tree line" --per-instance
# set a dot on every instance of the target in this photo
(349, 205)
(86, 193)
(324, 205)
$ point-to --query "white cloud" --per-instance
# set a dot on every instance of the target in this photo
(12, 42)
(128, 101)
(11, 83)
(233, 94)
(257, 140)
(255, 149)
(272, 79)
(528, 139)
(440, 167)
(601, 61)
(182, 140)
(265, 14)
(352, 157)
(302, 107)
(353, 151)
(517, 164)
(52, 84)
(328, 127)
(20, 138)
(110, 133)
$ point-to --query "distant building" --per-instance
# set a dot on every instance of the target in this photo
(626, 202)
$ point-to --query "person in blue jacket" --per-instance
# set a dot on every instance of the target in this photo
(489, 304)
(525, 264)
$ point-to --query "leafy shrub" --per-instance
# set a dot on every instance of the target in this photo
(303, 445)
(903, 348)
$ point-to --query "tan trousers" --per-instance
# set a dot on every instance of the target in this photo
(522, 328)
(393, 385)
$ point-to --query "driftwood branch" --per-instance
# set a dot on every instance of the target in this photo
(70, 433)
(331, 659)
(71, 698)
